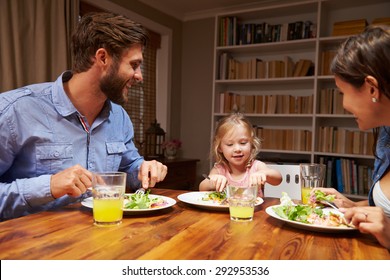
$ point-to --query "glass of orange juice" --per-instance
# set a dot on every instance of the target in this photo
(108, 189)
(242, 202)
(312, 176)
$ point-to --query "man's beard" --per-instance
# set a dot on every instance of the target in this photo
(112, 85)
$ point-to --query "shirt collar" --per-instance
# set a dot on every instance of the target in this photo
(62, 102)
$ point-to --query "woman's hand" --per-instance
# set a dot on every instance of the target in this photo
(370, 220)
(340, 200)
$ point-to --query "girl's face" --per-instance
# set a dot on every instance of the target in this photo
(236, 146)
(359, 103)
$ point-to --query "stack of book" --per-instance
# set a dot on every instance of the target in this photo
(331, 102)
(381, 21)
(347, 176)
(326, 59)
(304, 67)
(345, 141)
(349, 27)
(264, 104)
(285, 139)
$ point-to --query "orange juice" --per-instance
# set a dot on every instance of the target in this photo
(305, 194)
(107, 211)
(241, 213)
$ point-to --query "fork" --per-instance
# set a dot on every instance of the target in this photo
(329, 204)
(140, 191)
(336, 208)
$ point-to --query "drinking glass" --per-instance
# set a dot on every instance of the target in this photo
(242, 202)
(312, 176)
(108, 189)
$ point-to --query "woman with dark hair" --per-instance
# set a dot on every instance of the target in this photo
(361, 69)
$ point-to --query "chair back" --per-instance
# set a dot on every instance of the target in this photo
(291, 182)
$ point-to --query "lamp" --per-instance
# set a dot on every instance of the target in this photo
(154, 138)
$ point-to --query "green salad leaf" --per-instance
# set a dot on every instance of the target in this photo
(139, 201)
(319, 196)
(288, 210)
(215, 196)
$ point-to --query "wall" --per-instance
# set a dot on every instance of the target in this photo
(191, 80)
(191, 87)
(196, 87)
(175, 27)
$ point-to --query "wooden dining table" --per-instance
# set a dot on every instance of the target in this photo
(180, 232)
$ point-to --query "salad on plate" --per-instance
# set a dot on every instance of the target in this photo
(143, 201)
(217, 197)
(309, 213)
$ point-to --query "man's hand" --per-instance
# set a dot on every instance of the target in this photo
(151, 172)
(72, 181)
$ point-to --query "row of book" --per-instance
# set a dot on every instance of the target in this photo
(345, 141)
(356, 26)
(345, 28)
(232, 32)
(326, 59)
(284, 139)
(347, 176)
(256, 68)
(331, 102)
(265, 104)
(349, 27)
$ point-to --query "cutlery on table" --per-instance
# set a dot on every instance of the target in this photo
(336, 208)
(329, 204)
(140, 191)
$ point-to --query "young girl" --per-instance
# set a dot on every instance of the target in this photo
(235, 147)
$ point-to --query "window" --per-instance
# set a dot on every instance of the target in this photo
(141, 106)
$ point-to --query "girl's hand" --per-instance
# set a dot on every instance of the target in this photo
(258, 178)
(218, 182)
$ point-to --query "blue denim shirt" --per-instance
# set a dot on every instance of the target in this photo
(382, 163)
(41, 134)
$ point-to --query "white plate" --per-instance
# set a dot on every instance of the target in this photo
(170, 202)
(195, 198)
(319, 228)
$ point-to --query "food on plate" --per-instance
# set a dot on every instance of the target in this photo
(217, 197)
(318, 196)
(143, 201)
(308, 214)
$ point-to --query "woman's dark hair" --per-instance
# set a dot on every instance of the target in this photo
(362, 55)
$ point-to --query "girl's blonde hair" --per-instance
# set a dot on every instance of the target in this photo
(224, 126)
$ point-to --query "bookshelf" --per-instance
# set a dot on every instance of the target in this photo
(271, 63)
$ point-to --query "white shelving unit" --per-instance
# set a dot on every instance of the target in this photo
(323, 13)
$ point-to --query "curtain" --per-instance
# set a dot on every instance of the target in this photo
(35, 40)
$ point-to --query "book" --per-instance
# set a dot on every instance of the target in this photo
(381, 21)
(349, 27)
(298, 68)
(305, 67)
(339, 176)
(288, 66)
